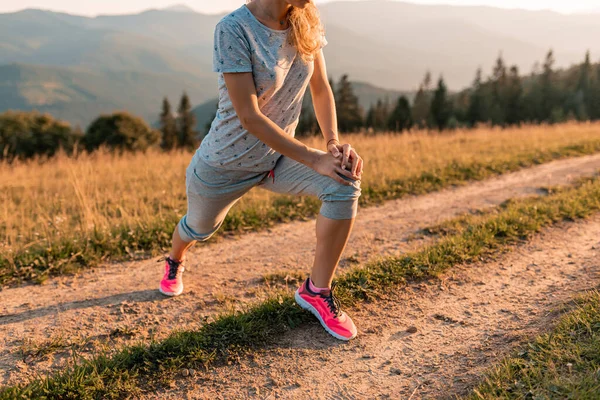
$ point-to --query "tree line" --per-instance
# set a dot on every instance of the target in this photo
(28, 134)
(504, 98)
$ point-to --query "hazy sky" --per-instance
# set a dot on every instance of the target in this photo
(94, 7)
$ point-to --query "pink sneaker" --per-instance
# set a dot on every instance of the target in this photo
(172, 282)
(326, 308)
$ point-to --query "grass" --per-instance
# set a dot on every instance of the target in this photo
(32, 349)
(134, 370)
(59, 216)
(561, 364)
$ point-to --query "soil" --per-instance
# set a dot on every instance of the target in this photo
(427, 341)
(41, 327)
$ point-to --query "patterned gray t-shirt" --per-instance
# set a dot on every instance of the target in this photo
(243, 44)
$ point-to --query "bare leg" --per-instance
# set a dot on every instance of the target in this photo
(332, 236)
(180, 247)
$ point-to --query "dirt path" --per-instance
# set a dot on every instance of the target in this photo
(119, 303)
(465, 322)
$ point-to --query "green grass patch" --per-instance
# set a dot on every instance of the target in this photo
(39, 261)
(144, 367)
(561, 364)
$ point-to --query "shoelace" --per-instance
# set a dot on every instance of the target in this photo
(332, 302)
(173, 268)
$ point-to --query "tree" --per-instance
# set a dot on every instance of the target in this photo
(401, 119)
(378, 115)
(168, 127)
(583, 96)
(186, 122)
(477, 111)
(29, 134)
(307, 124)
(514, 93)
(349, 112)
(441, 109)
(549, 94)
(422, 104)
(120, 131)
(499, 84)
(594, 98)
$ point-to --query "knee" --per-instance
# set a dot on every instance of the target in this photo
(336, 191)
(190, 232)
(340, 201)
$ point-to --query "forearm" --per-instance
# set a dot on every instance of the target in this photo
(273, 136)
(324, 106)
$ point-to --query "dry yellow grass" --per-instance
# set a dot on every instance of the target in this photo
(67, 198)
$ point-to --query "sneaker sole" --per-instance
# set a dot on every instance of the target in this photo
(305, 305)
(170, 294)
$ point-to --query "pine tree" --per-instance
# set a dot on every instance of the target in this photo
(422, 104)
(441, 109)
(499, 85)
(583, 104)
(594, 101)
(378, 115)
(594, 95)
(307, 123)
(401, 119)
(548, 92)
(186, 122)
(477, 111)
(349, 112)
(514, 93)
(370, 119)
(168, 126)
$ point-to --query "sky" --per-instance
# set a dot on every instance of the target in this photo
(95, 7)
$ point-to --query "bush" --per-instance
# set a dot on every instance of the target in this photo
(28, 134)
(120, 131)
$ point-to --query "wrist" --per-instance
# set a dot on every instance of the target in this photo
(313, 158)
(334, 140)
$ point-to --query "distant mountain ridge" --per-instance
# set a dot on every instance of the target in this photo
(179, 8)
(79, 95)
(387, 44)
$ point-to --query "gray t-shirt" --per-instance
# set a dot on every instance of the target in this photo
(243, 44)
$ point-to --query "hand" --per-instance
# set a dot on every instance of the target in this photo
(328, 165)
(350, 158)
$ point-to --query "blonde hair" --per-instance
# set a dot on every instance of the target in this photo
(306, 30)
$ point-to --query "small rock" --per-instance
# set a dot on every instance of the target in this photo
(192, 372)
(274, 381)
(395, 371)
(185, 372)
(412, 329)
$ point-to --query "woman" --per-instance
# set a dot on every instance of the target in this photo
(266, 53)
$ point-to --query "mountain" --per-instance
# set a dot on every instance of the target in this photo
(46, 38)
(450, 40)
(204, 114)
(80, 95)
(180, 8)
(392, 47)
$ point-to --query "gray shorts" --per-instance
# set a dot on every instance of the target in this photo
(212, 191)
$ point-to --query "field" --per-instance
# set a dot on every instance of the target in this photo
(66, 213)
(468, 250)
